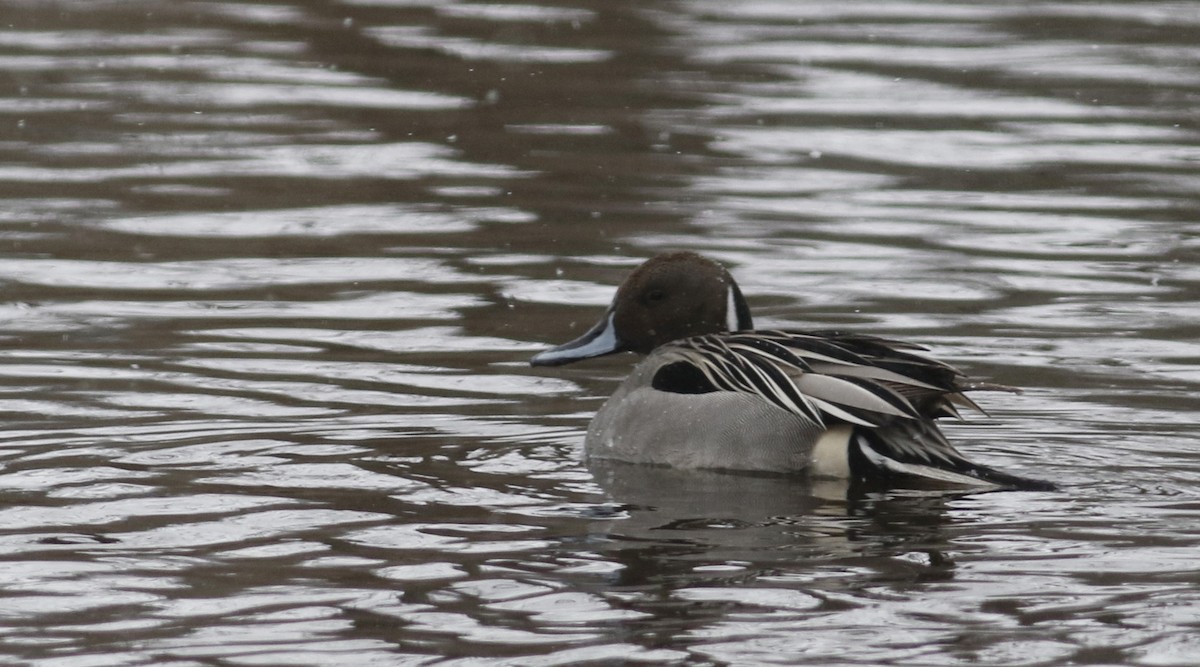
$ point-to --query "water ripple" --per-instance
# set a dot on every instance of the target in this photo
(273, 272)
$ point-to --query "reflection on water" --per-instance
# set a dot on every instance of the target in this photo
(273, 272)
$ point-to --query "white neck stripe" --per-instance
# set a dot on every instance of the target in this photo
(731, 314)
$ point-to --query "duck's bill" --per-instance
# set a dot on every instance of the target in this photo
(598, 341)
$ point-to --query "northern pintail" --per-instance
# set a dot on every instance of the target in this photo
(714, 393)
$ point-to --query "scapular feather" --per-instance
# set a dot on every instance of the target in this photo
(857, 379)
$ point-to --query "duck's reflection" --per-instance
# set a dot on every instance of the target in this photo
(665, 522)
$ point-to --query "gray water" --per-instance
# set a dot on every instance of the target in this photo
(272, 271)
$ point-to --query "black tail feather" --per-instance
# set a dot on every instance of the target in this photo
(913, 449)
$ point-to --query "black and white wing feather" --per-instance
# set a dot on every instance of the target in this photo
(822, 376)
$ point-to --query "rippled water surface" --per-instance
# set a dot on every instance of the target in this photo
(272, 272)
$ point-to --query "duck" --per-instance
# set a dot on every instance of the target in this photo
(714, 393)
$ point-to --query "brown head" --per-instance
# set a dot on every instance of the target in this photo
(670, 296)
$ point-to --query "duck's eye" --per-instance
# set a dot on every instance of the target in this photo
(655, 295)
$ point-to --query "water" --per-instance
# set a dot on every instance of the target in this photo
(272, 272)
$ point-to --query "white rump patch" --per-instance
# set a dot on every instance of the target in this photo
(831, 454)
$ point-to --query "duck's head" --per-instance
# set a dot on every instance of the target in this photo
(670, 296)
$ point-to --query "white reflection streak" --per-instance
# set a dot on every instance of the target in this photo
(397, 161)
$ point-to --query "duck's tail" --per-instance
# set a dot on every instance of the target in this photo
(914, 448)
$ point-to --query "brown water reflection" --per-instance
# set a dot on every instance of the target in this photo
(273, 272)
